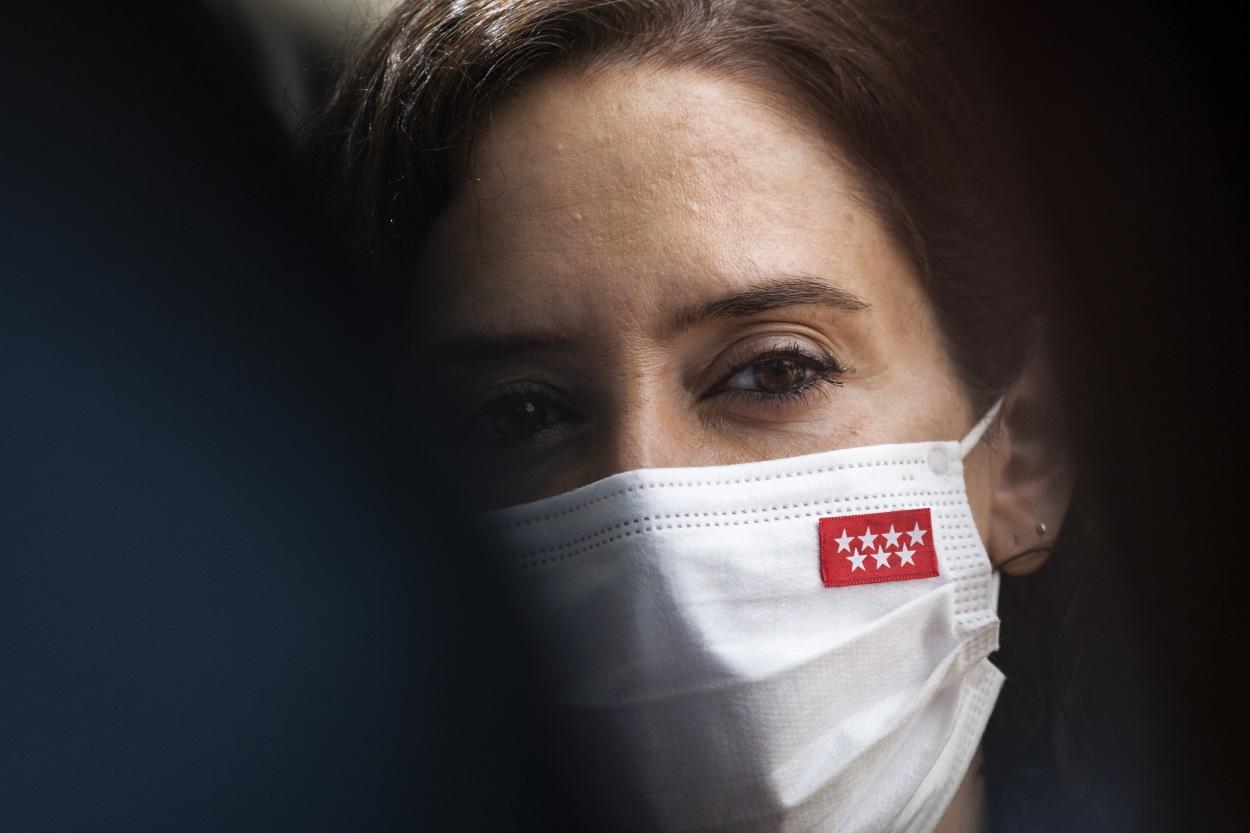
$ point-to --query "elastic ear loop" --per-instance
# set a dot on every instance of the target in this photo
(966, 445)
(974, 436)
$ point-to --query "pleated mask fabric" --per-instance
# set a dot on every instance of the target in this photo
(760, 648)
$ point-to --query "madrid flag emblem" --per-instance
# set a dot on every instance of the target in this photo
(881, 546)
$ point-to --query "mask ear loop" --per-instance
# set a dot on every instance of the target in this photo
(974, 436)
(966, 445)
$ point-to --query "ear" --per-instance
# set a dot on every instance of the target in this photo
(1036, 472)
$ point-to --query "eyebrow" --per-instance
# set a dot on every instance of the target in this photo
(477, 349)
(763, 297)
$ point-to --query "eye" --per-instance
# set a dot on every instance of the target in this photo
(772, 375)
(516, 416)
(780, 373)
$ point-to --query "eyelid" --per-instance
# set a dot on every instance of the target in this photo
(825, 364)
(481, 397)
(480, 406)
(790, 349)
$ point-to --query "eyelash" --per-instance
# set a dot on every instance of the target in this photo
(526, 392)
(825, 369)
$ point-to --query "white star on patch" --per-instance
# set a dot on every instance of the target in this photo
(868, 537)
(883, 558)
(905, 555)
(844, 541)
(917, 534)
(891, 537)
(857, 561)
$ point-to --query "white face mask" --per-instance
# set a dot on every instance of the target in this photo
(789, 645)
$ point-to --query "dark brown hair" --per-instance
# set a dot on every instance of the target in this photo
(877, 76)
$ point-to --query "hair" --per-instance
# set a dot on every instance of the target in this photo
(887, 81)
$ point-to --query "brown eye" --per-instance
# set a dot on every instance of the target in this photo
(515, 417)
(519, 419)
(778, 375)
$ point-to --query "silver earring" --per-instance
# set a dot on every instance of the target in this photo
(1041, 529)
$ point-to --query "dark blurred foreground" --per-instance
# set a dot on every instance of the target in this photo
(234, 590)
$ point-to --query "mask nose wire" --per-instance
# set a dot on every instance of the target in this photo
(974, 436)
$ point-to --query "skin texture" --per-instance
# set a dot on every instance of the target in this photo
(601, 213)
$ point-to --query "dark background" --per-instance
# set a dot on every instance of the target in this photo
(1134, 116)
(234, 589)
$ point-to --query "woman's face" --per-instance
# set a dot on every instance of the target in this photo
(657, 267)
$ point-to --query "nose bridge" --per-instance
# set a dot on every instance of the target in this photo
(645, 426)
(639, 428)
(636, 439)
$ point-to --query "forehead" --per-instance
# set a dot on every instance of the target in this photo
(646, 185)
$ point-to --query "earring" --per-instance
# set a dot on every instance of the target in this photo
(1041, 529)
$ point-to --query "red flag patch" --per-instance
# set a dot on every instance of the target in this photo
(881, 546)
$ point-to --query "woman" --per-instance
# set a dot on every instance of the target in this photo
(725, 299)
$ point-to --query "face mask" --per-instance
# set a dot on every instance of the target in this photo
(789, 645)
